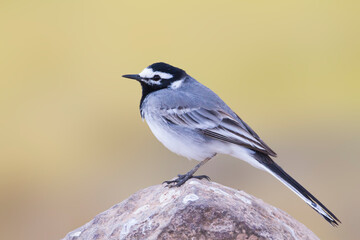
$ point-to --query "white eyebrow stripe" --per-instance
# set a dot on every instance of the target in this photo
(163, 75)
(149, 73)
(146, 72)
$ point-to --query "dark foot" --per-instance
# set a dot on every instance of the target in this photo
(182, 179)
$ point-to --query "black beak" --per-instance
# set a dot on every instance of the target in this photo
(133, 76)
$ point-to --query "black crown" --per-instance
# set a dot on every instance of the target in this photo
(167, 68)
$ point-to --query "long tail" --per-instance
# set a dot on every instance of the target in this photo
(291, 183)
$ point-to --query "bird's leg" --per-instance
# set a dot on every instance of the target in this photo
(183, 178)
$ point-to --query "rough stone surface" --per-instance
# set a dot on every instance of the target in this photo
(196, 210)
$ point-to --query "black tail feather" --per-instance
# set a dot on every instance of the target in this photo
(276, 170)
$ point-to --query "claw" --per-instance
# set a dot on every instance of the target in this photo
(170, 183)
(182, 179)
(202, 177)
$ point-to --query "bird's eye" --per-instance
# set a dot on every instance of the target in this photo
(156, 77)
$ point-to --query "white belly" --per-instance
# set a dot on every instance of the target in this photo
(184, 143)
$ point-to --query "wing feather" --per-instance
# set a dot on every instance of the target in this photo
(217, 124)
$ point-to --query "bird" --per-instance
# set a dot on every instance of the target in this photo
(192, 121)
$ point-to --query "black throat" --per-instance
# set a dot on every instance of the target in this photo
(146, 90)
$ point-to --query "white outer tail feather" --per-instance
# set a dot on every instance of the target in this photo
(248, 156)
(315, 206)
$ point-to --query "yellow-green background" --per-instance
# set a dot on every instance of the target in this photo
(71, 140)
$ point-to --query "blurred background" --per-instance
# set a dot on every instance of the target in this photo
(72, 142)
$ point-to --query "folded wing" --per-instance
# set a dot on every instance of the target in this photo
(217, 124)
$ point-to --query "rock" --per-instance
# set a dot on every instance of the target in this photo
(196, 210)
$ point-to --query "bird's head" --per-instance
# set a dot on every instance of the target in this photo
(158, 76)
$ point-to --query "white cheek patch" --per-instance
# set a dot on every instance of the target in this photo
(177, 84)
(149, 73)
(152, 82)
